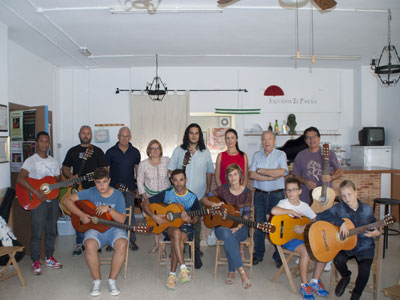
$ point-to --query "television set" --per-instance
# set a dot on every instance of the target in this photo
(372, 136)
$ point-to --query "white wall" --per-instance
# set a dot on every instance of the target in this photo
(4, 167)
(90, 95)
(33, 81)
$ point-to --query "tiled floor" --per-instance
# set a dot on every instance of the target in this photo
(73, 280)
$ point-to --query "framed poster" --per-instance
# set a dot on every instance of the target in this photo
(3, 118)
(4, 149)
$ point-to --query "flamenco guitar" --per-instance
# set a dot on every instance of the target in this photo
(100, 223)
(77, 187)
(230, 217)
(323, 241)
(323, 196)
(172, 214)
(48, 185)
(284, 229)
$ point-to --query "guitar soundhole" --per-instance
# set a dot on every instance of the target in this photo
(323, 200)
(282, 224)
(170, 216)
(45, 188)
(74, 191)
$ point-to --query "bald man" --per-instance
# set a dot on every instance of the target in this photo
(268, 168)
(124, 160)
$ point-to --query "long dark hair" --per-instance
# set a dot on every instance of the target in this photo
(185, 146)
(237, 144)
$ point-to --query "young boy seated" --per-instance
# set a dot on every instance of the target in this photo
(293, 207)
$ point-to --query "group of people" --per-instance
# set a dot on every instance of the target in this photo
(186, 179)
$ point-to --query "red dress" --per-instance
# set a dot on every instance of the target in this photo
(226, 160)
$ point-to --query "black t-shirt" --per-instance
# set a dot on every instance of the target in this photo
(74, 159)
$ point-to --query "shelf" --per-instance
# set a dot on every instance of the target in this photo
(298, 134)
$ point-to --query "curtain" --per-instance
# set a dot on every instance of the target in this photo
(164, 121)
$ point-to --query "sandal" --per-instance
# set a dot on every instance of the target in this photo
(230, 280)
(153, 250)
(246, 284)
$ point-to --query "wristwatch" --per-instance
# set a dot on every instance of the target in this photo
(258, 171)
(109, 208)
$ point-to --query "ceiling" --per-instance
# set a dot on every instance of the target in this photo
(249, 33)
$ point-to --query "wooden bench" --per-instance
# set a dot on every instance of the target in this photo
(11, 251)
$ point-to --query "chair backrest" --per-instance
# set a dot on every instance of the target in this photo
(129, 211)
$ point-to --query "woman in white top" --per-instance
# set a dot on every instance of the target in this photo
(152, 176)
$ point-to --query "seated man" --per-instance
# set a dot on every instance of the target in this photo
(178, 194)
(107, 199)
(293, 207)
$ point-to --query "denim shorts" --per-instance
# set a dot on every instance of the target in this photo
(188, 229)
(293, 244)
(106, 238)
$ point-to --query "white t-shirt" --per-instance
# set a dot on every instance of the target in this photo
(302, 208)
(39, 167)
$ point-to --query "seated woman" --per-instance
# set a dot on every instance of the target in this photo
(237, 194)
(360, 214)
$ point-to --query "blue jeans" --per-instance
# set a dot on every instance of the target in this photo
(231, 244)
(263, 203)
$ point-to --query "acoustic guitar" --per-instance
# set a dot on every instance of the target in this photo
(48, 185)
(77, 187)
(172, 214)
(323, 196)
(323, 240)
(100, 223)
(230, 217)
(284, 229)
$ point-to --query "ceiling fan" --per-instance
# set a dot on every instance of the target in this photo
(322, 4)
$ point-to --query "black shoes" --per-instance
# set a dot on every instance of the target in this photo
(256, 260)
(342, 286)
(355, 296)
(133, 246)
(197, 259)
(278, 263)
(109, 249)
(79, 248)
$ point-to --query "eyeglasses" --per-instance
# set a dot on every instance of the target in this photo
(154, 149)
(124, 136)
(291, 190)
(309, 137)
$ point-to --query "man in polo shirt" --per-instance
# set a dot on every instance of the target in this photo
(124, 160)
(268, 169)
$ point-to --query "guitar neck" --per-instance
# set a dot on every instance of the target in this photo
(365, 228)
(326, 171)
(240, 220)
(193, 213)
(116, 224)
(67, 182)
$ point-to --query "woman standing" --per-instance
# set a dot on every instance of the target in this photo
(153, 176)
(234, 193)
(231, 156)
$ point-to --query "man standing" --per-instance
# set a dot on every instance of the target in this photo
(268, 169)
(109, 200)
(74, 159)
(178, 236)
(43, 217)
(193, 157)
(309, 163)
(123, 160)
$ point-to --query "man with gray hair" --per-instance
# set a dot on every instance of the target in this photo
(72, 166)
(124, 160)
(268, 169)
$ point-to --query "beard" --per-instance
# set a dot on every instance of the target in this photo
(85, 140)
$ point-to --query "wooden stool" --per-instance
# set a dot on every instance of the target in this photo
(393, 291)
(11, 251)
(166, 261)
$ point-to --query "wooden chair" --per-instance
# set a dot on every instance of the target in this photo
(371, 287)
(166, 261)
(393, 291)
(221, 260)
(11, 251)
(107, 260)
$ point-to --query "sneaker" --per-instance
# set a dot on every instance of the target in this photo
(319, 288)
(328, 267)
(112, 286)
(78, 250)
(171, 281)
(96, 287)
(307, 292)
(185, 275)
(52, 263)
(36, 269)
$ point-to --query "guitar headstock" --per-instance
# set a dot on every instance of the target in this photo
(122, 188)
(388, 219)
(325, 151)
(186, 158)
(216, 210)
(89, 176)
(88, 153)
(266, 227)
(142, 229)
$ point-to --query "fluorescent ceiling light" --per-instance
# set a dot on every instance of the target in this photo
(170, 9)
